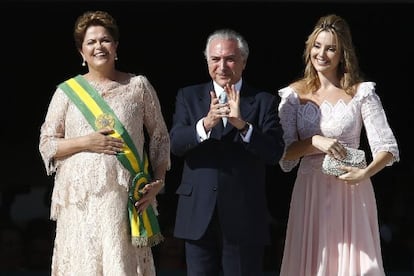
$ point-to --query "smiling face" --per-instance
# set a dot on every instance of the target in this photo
(325, 54)
(98, 47)
(225, 61)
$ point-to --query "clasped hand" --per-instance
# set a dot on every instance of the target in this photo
(218, 110)
(329, 146)
(334, 148)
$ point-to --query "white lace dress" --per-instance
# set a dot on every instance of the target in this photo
(89, 200)
(333, 228)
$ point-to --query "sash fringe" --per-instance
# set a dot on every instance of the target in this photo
(147, 241)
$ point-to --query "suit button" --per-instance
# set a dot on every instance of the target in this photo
(215, 189)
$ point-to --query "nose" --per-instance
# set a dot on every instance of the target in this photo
(98, 44)
(223, 64)
(321, 52)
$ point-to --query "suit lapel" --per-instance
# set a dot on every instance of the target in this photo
(247, 99)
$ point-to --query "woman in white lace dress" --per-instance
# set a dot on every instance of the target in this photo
(332, 227)
(90, 195)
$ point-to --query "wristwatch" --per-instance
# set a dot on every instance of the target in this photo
(244, 129)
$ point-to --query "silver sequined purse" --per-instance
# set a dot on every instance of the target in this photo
(354, 158)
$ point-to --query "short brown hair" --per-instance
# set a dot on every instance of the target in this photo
(94, 18)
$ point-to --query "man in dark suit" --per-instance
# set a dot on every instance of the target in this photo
(222, 210)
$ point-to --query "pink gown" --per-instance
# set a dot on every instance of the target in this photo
(333, 227)
(90, 194)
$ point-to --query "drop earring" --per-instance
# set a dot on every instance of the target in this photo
(116, 57)
(84, 63)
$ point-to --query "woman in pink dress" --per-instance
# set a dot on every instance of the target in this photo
(333, 227)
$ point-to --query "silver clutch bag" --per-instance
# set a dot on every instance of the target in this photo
(354, 158)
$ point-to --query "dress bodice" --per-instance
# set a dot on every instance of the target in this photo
(136, 105)
(340, 120)
(337, 120)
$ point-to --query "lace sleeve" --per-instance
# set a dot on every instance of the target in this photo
(288, 107)
(380, 135)
(159, 141)
(52, 129)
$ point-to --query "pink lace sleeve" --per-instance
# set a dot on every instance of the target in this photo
(379, 133)
(288, 114)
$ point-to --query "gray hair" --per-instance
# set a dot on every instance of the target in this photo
(229, 34)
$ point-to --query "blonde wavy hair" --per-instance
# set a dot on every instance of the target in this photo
(348, 72)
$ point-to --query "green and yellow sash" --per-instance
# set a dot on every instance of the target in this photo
(145, 230)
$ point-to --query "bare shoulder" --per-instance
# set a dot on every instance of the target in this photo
(299, 87)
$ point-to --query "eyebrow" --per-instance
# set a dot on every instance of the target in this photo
(224, 57)
(331, 45)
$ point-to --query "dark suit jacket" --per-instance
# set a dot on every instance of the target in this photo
(224, 170)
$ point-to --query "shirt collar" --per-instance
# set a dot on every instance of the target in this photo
(218, 89)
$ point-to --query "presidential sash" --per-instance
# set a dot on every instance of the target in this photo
(144, 227)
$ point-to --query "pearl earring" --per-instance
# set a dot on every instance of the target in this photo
(84, 63)
(116, 57)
